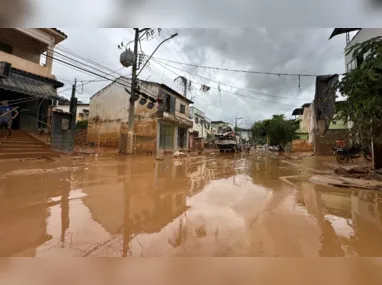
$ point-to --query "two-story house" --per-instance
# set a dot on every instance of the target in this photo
(202, 124)
(26, 79)
(161, 121)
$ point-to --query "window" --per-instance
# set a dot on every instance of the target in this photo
(359, 59)
(5, 48)
(197, 120)
(183, 109)
(169, 104)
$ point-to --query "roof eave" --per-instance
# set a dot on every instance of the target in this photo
(339, 31)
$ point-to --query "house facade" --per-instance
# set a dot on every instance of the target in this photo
(164, 127)
(307, 141)
(202, 125)
(82, 113)
(26, 79)
(218, 126)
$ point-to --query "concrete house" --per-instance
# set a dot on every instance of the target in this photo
(26, 79)
(164, 127)
(82, 110)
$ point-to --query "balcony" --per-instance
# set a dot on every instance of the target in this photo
(26, 65)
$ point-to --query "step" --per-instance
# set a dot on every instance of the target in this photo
(22, 155)
(12, 142)
(18, 147)
(22, 150)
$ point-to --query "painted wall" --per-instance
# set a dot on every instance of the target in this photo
(361, 36)
(108, 111)
(28, 59)
(108, 116)
(80, 108)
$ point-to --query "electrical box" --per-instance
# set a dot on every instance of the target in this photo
(65, 124)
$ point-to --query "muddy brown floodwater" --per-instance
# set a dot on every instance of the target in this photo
(203, 206)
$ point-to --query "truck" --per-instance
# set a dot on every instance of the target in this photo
(228, 141)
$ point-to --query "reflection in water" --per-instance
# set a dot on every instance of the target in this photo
(207, 206)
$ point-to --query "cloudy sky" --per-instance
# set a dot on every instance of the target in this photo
(251, 96)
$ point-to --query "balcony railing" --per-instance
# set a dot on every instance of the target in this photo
(23, 64)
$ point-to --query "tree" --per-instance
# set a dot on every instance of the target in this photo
(362, 88)
(276, 131)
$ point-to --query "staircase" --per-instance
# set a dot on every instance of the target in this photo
(21, 145)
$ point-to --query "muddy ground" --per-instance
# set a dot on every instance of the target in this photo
(211, 205)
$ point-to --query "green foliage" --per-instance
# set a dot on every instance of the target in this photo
(82, 124)
(276, 131)
(362, 88)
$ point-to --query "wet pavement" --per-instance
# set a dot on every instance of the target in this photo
(214, 205)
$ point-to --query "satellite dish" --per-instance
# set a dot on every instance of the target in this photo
(127, 58)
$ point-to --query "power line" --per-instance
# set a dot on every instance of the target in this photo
(239, 70)
(224, 84)
(241, 95)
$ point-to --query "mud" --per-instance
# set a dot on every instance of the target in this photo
(215, 205)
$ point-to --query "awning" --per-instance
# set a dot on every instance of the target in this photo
(29, 84)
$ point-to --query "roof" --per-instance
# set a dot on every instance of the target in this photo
(306, 105)
(30, 84)
(339, 31)
(218, 122)
(298, 111)
(175, 92)
(60, 32)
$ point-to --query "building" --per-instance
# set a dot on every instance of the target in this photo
(218, 126)
(202, 124)
(245, 134)
(164, 127)
(361, 36)
(26, 82)
(82, 113)
(305, 140)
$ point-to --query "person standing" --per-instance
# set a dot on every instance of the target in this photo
(7, 115)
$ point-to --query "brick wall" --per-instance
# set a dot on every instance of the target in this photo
(324, 144)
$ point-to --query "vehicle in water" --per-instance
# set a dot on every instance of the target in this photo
(228, 141)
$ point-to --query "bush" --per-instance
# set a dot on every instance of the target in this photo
(82, 124)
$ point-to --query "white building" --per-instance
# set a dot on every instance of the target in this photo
(82, 110)
(202, 124)
(361, 36)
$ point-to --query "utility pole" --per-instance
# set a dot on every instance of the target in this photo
(240, 118)
(130, 133)
(73, 105)
(134, 77)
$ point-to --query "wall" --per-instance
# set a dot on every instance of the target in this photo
(324, 144)
(66, 108)
(301, 145)
(361, 36)
(108, 112)
(23, 64)
(25, 56)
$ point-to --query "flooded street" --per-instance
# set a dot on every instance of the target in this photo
(214, 205)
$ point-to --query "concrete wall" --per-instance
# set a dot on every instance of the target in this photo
(324, 144)
(28, 58)
(108, 112)
(25, 64)
(361, 36)
(301, 145)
